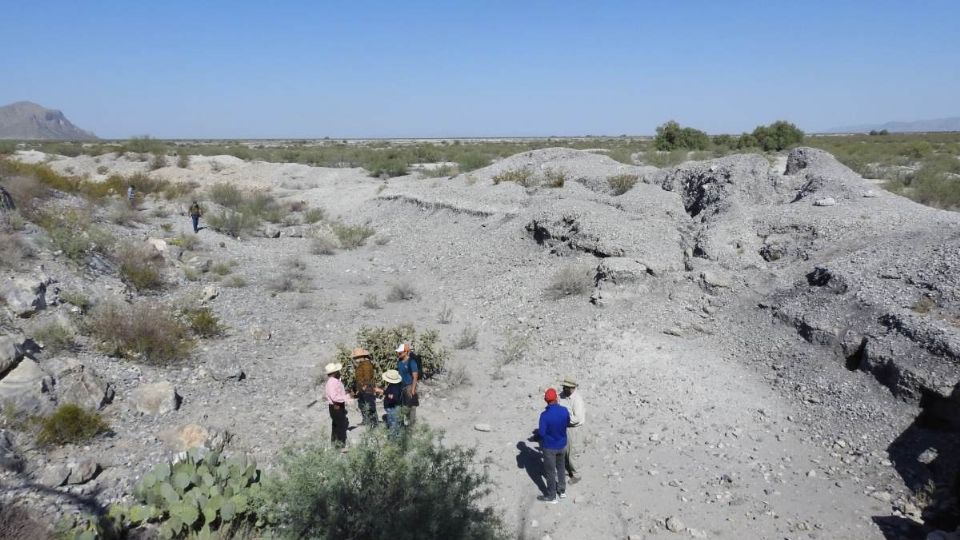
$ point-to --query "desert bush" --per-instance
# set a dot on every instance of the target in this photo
(183, 160)
(159, 161)
(186, 241)
(54, 336)
(554, 178)
(76, 298)
(524, 177)
(472, 161)
(401, 291)
(120, 213)
(235, 281)
(103, 169)
(324, 244)
(146, 331)
(13, 250)
(202, 321)
(7, 147)
(924, 304)
(191, 274)
(351, 236)
(622, 183)
(70, 424)
(140, 266)
(226, 195)
(513, 350)
(233, 223)
(371, 301)
(569, 281)
(28, 193)
(456, 376)
(670, 136)
(779, 135)
(12, 221)
(323, 493)
(72, 233)
(221, 268)
(467, 338)
(293, 279)
(313, 215)
(382, 343)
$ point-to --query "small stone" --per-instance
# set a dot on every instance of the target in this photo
(209, 293)
(882, 496)
(482, 427)
(55, 476)
(673, 331)
(155, 399)
(674, 524)
(811, 474)
(928, 456)
(697, 533)
(83, 472)
(826, 201)
(655, 437)
(534, 524)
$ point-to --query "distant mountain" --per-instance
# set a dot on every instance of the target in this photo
(940, 124)
(26, 120)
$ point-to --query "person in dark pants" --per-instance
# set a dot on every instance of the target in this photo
(195, 213)
(337, 398)
(365, 385)
(409, 368)
(553, 444)
(391, 400)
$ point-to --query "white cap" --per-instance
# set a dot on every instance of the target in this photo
(400, 348)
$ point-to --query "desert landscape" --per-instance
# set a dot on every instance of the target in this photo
(767, 344)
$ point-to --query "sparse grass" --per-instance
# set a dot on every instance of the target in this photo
(235, 281)
(121, 213)
(146, 331)
(351, 236)
(13, 250)
(55, 337)
(140, 266)
(457, 376)
(371, 301)
(324, 243)
(203, 322)
(513, 350)
(401, 291)
(161, 212)
(188, 242)
(293, 279)
(233, 223)
(555, 178)
(622, 183)
(570, 280)
(191, 273)
(70, 424)
(166, 227)
(314, 215)
(445, 315)
(72, 233)
(524, 177)
(76, 298)
(467, 338)
(221, 268)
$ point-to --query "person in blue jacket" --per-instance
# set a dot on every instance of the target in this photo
(553, 444)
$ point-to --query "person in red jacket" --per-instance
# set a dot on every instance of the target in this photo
(553, 445)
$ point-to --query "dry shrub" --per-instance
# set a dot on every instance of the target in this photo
(70, 424)
(555, 178)
(140, 266)
(186, 241)
(28, 193)
(13, 250)
(146, 331)
(924, 304)
(54, 336)
(467, 338)
(524, 177)
(622, 183)
(203, 321)
(569, 281)
(324, 243)
(235, 281)
(351, 236)
(401, 291)
(445, 315)
(313, 215)
(121, 213)
(371, 301)
(17, 524)
(513, 350)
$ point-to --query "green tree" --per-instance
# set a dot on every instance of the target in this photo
(671, 136)
(779, 135)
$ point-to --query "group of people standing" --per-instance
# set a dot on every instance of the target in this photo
(399, 393)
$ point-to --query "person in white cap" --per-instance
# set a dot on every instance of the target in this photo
(409, 369)
(573, 401)
(337, 398)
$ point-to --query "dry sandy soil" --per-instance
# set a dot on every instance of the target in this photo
(702, 405)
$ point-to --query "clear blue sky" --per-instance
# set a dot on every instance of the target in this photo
(239, 69)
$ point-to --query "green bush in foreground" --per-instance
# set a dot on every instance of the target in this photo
(414, 487)
(70, 424)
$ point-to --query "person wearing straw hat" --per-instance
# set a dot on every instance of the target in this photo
(365, 385)
(409, 368)
(337, 398)
(392, 398)
(573, 401)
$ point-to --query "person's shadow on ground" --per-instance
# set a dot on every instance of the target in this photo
(530, 459)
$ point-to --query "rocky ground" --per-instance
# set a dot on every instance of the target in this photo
(767, 350)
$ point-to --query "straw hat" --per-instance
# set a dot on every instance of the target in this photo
(333, 367)
(391, 376)
(360, 352)
(569, 382)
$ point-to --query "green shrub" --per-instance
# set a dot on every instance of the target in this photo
(183, 160)
(233, 223)
(226, 195)
(670, 136)
(146, 331)
(76, 298)
(140, 267)
(201, 496)
(203, 321)
(351, 236)
(472, 161)
(382, 343)
(186, 241)
(70, 424)
(55, 337)
(221, 268)
(323, 493)
(72, 233)
(524, 177)
(314, 215)
(159, 162)
(779, 135)
(622, 183)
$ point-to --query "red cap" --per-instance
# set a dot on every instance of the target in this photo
(550, 395)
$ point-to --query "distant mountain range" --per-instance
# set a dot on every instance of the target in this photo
(26, 120)
(939, 124)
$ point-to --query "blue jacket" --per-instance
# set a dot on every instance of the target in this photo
(553, 426)
(406, 369)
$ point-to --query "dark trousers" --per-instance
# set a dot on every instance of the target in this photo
(338, 434)
(368, 407)
(554, 469)
(196, 223)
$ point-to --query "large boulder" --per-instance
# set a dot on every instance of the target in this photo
(156, 399)
(82, 386)
(11, 352)
(621, 270)
(25, 296)
(27, 388)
